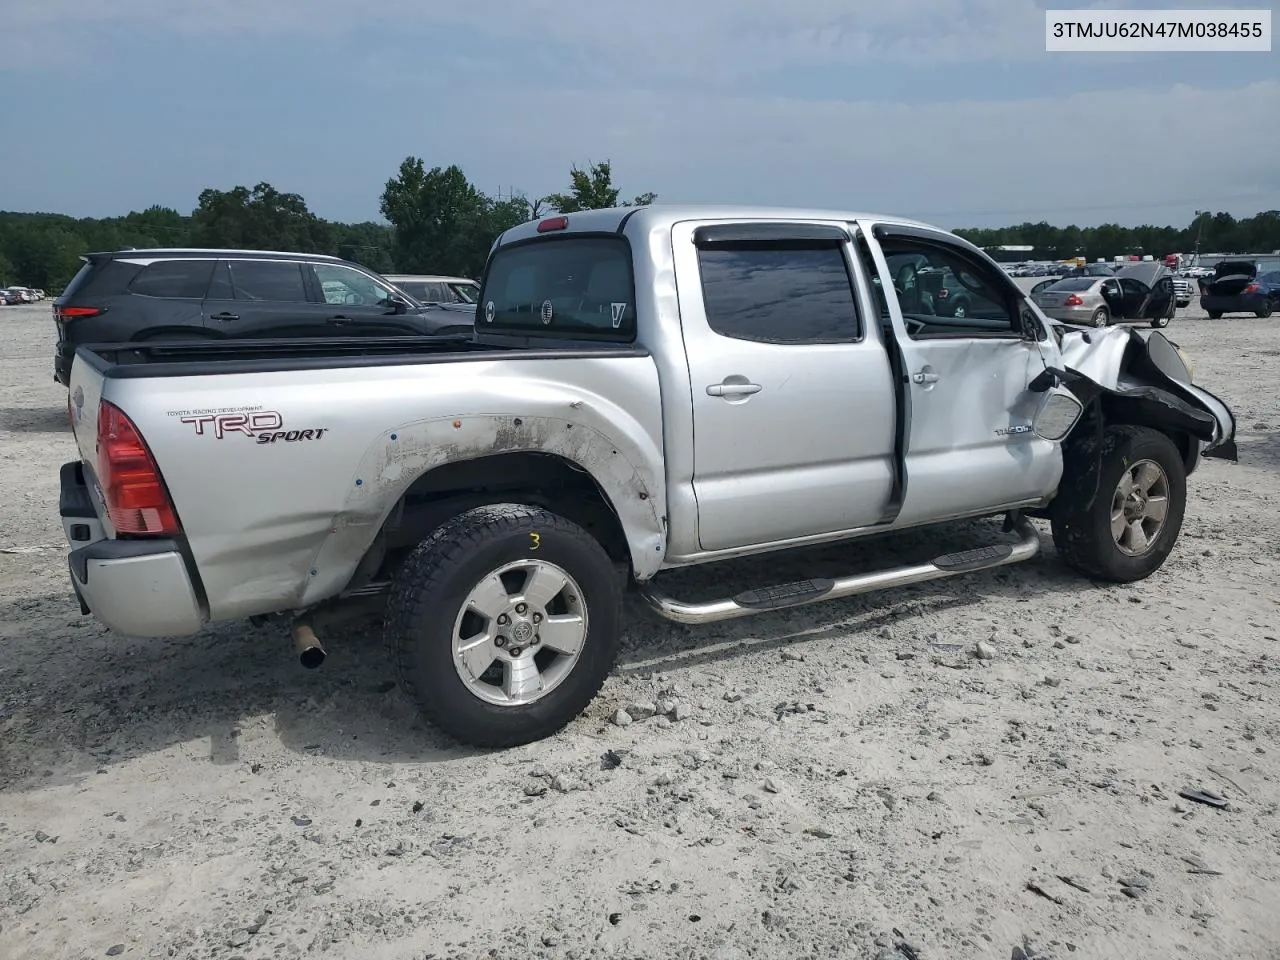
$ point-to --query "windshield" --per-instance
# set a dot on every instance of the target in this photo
(565, 285)
(432, 291)
(466, 292)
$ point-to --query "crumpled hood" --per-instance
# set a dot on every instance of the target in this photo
(1121, 361)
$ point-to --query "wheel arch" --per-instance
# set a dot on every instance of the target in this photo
(415, 477)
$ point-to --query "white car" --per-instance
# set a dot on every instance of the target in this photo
(430, 288)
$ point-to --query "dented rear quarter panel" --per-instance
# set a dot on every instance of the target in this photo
(283, 523)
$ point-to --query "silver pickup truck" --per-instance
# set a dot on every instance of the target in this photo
(646, 388)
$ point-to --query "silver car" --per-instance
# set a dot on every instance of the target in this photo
(1139, 292)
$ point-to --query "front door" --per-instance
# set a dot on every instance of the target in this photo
(793, 401)
(969, 445)
(357, 305)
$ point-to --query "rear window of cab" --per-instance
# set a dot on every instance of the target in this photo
(579, 286)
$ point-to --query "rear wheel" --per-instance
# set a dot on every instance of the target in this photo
(504, 623)
(1118, 517)
(1100, 317)
(1264, 312)
(1215, 314)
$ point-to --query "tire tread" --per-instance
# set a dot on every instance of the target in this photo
(1070, 517)
(422, 573)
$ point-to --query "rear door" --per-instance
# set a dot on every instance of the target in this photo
(1135, 295)
(969, 445)
(794, 409)
(263, 299)
(1163, 296)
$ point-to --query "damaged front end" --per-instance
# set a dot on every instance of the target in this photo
(1121, 376)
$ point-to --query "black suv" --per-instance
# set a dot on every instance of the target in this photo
(130, 295)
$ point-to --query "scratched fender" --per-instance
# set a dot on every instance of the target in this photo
(623, 467)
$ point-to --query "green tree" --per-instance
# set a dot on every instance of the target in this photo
(442, 222)
(593, 189)
(261, 218)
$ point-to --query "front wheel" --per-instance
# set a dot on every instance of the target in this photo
(1159, 322)
(1119, 518)
(504, 623)
(1215, 314)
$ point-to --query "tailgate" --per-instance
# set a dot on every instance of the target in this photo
(84, 397)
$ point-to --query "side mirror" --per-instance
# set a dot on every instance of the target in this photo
(1030, 325)
(398, 304)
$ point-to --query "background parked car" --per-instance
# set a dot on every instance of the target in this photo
(167, 294)
(1137, 292)
(1235, 287)
(1184, 290)
(427, 288)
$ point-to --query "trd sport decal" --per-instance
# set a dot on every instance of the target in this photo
(264, 426)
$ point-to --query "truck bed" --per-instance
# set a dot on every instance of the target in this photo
(283, 459)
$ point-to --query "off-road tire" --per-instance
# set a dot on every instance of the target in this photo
(432, 584)
(1215, 314)
(1081, 520)
(1101, 317)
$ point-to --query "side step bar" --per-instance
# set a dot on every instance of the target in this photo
(813, 591)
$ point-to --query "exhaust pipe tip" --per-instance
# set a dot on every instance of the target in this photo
(310, 652)
(311, 658)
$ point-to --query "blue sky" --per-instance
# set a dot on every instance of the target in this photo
(948, 110)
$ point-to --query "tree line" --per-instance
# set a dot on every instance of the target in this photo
(438, 221)
(1207, 233)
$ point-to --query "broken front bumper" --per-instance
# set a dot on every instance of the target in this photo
(136, 587)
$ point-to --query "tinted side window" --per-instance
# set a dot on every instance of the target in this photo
(779, 293)
(178, 279)
(268, 280)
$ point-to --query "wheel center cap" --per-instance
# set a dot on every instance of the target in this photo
(522, 631)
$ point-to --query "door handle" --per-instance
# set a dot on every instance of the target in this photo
(337, 320)
(733, 389)
(224, 316)
(924, 376)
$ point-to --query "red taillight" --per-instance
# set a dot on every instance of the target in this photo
(553, 223)
(1073, 300)
(75, 313)
(1252, 288)
(137, 501)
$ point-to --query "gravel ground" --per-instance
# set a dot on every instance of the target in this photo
(845, 780)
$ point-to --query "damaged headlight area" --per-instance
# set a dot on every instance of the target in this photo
(1058, 414)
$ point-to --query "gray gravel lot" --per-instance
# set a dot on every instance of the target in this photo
(847, 779)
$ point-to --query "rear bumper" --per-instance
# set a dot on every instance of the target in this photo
(136, 587)
(63, 354)
(1240, 303)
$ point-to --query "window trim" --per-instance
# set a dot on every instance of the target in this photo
(765, 233)
(746, 240)
(151, 296)
(506, 334)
